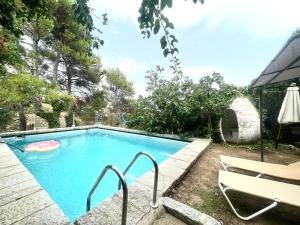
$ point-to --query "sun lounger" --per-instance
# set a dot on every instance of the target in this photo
(290, 172)
(277, 192)
(297, 164)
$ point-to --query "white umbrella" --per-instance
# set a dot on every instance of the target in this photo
(290, 109)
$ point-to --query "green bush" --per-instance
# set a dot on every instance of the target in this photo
(181, 106)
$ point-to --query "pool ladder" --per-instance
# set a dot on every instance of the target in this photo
(123, 184)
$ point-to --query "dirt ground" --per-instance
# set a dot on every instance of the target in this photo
(199, 189)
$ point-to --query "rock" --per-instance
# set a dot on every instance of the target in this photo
(187, 214)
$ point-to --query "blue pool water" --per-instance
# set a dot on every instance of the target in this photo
(69, 172)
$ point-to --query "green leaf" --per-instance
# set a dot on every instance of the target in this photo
(166, 52)
(163, 42)
(156, 27)
(171, 25)
(169, 3)
(163, 4)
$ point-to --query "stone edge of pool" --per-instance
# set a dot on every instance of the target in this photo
(24, 201)
(120, 129)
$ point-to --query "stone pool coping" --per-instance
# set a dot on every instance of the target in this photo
(120, 129)
(23, 201)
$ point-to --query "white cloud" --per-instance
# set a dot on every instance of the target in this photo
(230, 75)
(135, 71)
(196, 73)
(130, 66)
(257, 17)
(267, 17)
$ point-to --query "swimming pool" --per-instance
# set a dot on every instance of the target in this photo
(69, 172)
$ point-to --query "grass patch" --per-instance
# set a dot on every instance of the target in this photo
(213, 201)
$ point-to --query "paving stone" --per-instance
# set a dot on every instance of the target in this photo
(4, 172)
(171, 171)
(51, 215)
(5, 150)
(8, 164)
(153, 215)
(11, 161)
(24, 207)
(109, 213)
(6, 157)
(164, 182)
(199, 145)
(15, 192)
(186, 158)
(94, 216)
(187, 151)
(140, 196)
(187, 214)
(15, 179)
(177, 163)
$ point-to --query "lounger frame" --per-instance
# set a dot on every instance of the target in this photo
(224, 189)
(227, 166)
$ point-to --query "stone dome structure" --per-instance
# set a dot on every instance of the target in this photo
(240, 123)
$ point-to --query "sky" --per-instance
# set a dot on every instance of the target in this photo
(236, 38)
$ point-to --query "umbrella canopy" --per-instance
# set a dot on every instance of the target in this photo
(285, 65)
(290, 109)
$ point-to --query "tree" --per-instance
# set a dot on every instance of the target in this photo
(39, 31)
(213, 102)
(17, 93)
(181, 106)
(59, 101)
(24, 91)
(120, 89)
(165, 109)
(151, 20)
(11, 11)
(73, 49)
(10, 52)
(14, 10)
(88, 107)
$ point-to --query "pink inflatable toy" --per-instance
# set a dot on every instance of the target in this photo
(42, 146)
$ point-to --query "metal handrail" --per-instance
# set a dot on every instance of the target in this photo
(153, 203)
(124, 187)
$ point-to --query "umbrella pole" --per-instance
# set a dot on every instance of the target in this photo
(261, 125)
(278, 136)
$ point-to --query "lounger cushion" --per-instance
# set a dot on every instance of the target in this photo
(275, 170)
(268, 189)
(297, 164)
